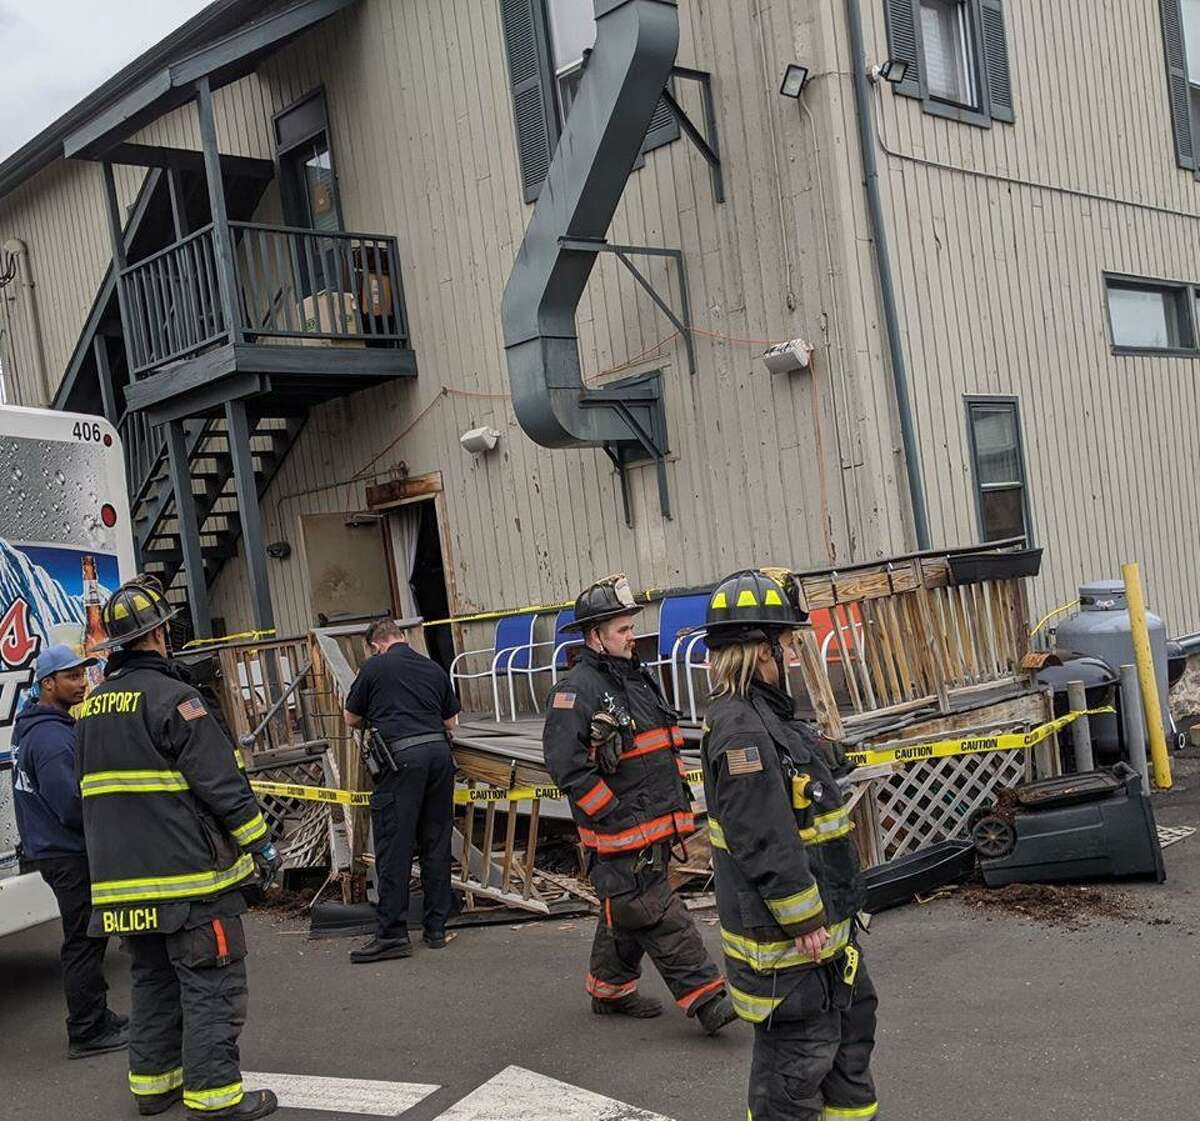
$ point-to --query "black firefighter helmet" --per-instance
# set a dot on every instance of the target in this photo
(749, 606)
(609, 598)
(136, 608)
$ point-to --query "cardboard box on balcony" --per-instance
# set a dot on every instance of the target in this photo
(333, 312)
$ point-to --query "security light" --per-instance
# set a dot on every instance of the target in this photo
(894, 70)
(794, 80)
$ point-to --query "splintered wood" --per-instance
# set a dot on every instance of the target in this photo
(902, 637)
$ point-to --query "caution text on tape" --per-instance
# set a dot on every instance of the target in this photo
(906, 753)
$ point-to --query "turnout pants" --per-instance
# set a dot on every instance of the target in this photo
(188, 1006)
(812, 1056)
(412, 810)
(641, 915)
(82, 957)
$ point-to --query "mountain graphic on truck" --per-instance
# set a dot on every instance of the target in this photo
(49, 603)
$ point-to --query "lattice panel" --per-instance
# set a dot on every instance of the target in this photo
(931, 801)
(299, 829)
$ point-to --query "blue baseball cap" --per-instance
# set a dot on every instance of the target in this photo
(55, 659)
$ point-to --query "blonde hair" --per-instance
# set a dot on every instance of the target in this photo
(732, 668)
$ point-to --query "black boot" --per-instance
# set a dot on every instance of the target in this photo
(436, 939)
(113, 1037)
(381, 949)
(715, 1014)
(257, 1103)
(635, 1005)
(150, 1104)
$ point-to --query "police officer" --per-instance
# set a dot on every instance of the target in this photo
(611, 742)
(173, 834)
(787, 876)
(408, 699)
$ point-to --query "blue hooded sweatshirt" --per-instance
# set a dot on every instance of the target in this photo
(45, 791)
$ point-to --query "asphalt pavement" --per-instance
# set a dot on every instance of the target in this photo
(984, 1016)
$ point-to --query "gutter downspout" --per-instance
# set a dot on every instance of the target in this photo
(20, 250)
(883, 270)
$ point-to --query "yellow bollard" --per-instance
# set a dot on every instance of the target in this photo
(1160, 761)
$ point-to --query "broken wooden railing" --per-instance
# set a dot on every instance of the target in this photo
(922, 648)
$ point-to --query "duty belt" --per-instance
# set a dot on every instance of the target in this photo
(414, 741)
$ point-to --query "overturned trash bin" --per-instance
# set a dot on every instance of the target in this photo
(1096, 825)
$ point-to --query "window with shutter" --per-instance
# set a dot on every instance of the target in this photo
(548, 43)
(958, 60)
(525, 35)
(1181, 44)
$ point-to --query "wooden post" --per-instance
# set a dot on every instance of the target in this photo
(116, 233)
(108, 395)
(249, 513)
(222, 242)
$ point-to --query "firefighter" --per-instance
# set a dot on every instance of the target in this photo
(612, 744)
(787, 876)
(173, 834)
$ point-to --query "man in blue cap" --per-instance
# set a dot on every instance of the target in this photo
(50, 820)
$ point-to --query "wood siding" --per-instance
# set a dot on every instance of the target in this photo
(999, 267)
(422, 130)
(999, 238)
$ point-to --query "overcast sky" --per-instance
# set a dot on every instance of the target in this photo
(53, 53)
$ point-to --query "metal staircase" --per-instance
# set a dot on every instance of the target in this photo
(156, 525)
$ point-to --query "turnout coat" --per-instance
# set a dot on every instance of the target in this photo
(784, 860)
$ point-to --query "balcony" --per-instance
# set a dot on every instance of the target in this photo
(290, 287)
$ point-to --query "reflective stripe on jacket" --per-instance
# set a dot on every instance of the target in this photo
(783, 856)
(167, 813)
(646, 800)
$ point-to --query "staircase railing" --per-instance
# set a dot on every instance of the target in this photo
(173, 302)
(145, 449)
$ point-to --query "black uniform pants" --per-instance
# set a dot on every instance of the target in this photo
(82, 957)
(412, 810)
(812, 1058)
(189, 1002)
(641, 915)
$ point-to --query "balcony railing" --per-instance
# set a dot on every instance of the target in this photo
(290, 287)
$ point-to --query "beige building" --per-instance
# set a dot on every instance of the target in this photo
(311, 320)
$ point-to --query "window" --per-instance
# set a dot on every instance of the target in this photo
(949, 51)
(998, 468)
(547, 43)
(958, 57)
(1149, 315)
(307, 183)
(1181, 43)
(572, 33)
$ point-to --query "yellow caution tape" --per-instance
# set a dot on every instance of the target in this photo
(312, 793)
(970, 745)
(244, 636)
(908, 753)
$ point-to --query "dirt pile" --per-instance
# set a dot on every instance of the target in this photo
(1072, 906)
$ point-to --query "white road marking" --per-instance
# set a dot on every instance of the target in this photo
(340, 1095)
(516, 1094)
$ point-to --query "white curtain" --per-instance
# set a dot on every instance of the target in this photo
(404, 525)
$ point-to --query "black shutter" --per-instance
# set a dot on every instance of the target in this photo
(525, 35)
(904, 42)
(995, 60)
(1178, 88)
(663, 128)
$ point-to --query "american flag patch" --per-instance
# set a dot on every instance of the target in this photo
(192, 710)
(564, 700)
(744, 760)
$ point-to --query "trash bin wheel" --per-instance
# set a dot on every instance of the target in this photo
(993, 837)
(976, 816)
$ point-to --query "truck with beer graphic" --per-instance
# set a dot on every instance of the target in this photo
(65, 542)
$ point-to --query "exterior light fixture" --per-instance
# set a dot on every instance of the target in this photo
(795, 78)
(893, 71)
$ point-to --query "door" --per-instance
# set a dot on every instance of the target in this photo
(419, 571)
(347, 566)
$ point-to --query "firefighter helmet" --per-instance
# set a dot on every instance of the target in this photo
(135, 609)
(606, 599)
(748, 606)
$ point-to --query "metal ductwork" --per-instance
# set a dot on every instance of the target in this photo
(622, 83)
